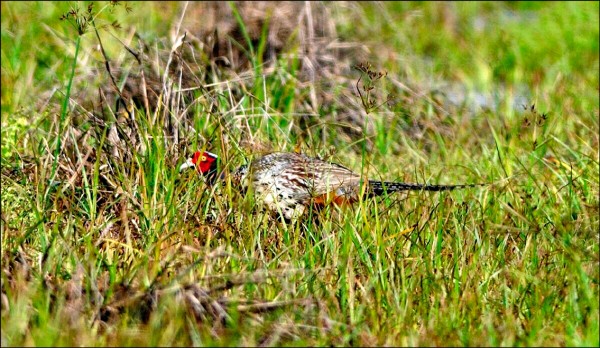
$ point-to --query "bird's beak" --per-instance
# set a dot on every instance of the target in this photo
(187, 164)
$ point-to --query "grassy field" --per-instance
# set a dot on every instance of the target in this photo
(104, 242)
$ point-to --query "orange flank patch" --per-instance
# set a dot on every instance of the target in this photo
(331, 198)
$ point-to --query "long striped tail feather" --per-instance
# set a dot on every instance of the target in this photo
(377, 188)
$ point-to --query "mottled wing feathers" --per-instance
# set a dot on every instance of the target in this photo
(315, 176)
(332, 178)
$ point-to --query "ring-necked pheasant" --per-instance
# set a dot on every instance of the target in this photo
(289, 182)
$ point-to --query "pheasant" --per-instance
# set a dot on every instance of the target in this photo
(288, 183)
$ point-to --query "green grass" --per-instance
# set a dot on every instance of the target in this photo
(135, 253)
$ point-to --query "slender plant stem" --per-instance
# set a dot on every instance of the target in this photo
(63, 115)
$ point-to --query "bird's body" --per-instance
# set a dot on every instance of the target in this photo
(289, 183)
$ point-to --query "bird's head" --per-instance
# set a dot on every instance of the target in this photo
(204, 162)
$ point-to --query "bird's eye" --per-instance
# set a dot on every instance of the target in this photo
(203, 158)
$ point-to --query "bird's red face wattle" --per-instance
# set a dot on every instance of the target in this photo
(204, 161)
